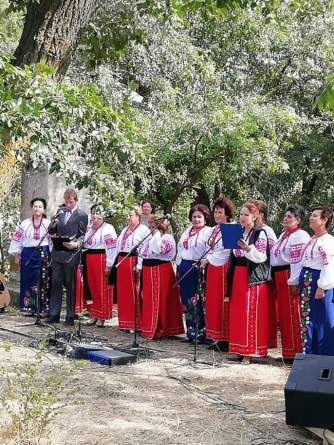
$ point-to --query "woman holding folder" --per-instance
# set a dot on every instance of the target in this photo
(217, 304)
(247, 275)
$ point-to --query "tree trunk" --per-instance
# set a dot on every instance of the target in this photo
(51, 33)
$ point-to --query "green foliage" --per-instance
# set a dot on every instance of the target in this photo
(32, 398)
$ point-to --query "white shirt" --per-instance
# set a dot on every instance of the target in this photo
(28, 235)
(288, 250)
(318, 254)
(102, 238)
(258, 251)
(192, 247)
(128, 239)
(161, 247)
(218, 255)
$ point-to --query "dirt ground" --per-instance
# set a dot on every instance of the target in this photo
(170, 396)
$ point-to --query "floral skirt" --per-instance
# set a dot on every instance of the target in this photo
(317, 316)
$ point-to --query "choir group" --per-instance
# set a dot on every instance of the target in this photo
(235, 298)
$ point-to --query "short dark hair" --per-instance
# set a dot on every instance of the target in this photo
(38, 199)
(203, 209)
(325, 213)
(224, 203)
(298, 211)
(148, 201)
(99, 208)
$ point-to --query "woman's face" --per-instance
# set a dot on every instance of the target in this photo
(153, 226)
(197, 219)
(247, 219)
(147, 208)
(219, 215)
(96, 217)
(132, 218)
(38, 208)
(316, 222)
(290, 222)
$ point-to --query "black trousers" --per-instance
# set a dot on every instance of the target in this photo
(63, 274)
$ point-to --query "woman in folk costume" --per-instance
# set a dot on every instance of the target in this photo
(35, 270)
(191, 248)
(247, 276)
(98, 259)
(161, 310)
(285, 267)
(261, 221)
(316, 282)
(127, 278)
(217, 304)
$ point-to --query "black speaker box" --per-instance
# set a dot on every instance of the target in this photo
(309, 392)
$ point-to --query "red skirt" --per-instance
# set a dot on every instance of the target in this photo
(248, 316)
(217, 305)
(101, 293)
(127, 289)
(80, 299)
(162, 309)
(288, 307)
(272, 314)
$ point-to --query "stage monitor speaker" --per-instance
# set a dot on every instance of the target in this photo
(309, 392)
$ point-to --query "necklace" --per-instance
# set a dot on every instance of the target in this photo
(36, 228)
(126, 235)
(91, 234)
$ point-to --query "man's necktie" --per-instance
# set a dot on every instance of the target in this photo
(67, 215)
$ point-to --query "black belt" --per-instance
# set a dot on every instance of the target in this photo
(126, 254)
(94, 251)
(153, 262)
(280, 268)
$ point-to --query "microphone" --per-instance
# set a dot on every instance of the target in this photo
(59, 212)
(110, 214)
(163, 217)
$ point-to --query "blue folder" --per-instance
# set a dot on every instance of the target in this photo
(231, 233)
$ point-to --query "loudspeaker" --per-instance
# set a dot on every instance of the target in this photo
(309, 392)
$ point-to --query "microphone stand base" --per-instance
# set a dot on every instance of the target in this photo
(38, 321)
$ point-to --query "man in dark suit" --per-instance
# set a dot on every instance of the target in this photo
(72, 222)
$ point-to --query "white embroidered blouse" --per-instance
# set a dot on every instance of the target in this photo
(104, 237)
(128, 239)
(218, 255)
(258, 251)
(191, 247)
(318, 254)
(288, 250)
(29, 235)
(159, 247)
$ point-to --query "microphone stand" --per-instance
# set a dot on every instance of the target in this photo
(200, 289)
(39, 282)
(134, 252)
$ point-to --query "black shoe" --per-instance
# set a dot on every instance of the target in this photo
(69, 322)
(186, 340)
(52, 319)
(220, 346)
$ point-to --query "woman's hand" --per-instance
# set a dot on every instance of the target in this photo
(294, 289)
(204, 262)
(320, 293)
(17, 259)
(241, 243)
(107, 271)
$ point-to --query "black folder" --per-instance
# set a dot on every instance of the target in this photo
(59, 240)
(231, 233)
